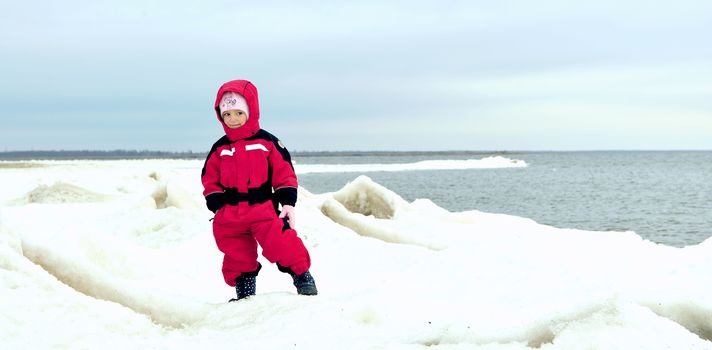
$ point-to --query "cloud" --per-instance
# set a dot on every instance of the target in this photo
(398, 65)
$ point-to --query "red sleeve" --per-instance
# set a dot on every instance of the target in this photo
(284, 180)
(211, 174)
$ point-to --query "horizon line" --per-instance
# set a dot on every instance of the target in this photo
(356, 151)
(367, 150)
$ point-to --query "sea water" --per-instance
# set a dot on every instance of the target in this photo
(664, 196)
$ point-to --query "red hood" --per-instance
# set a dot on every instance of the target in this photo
(249, 92)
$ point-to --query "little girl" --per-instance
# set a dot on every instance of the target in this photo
(241, 171)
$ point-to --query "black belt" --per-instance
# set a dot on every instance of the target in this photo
(253, 196)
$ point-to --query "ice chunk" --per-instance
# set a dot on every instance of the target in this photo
(61, 192)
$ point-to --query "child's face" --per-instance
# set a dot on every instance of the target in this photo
(234, 118)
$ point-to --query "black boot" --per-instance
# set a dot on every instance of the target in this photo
(304, 282)
(246, 284)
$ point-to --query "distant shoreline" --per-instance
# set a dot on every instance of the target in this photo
(147, 154)
(131, 154)
(97, 155)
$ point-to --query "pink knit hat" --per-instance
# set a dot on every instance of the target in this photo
(232, 100)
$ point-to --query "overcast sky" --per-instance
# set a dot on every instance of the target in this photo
(361, 75)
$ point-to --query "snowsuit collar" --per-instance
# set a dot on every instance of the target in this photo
(249, 92)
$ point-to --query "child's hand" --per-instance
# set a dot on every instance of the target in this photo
(288, 211)
(215, 201)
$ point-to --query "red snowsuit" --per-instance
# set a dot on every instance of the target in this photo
(243, 167)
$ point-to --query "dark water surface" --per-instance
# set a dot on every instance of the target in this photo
(664, 196)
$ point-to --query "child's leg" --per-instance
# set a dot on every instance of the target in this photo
(282, 246)
(240, 258)
(240, 249)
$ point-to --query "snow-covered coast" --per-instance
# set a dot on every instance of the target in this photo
(120, 254)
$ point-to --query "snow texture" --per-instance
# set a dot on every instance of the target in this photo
(119, 254)
(484, 163)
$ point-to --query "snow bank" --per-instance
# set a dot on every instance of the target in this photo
(40, 312)
(585, 266)
(484, 163)
(139, 269)
(61, 192)
(370, 209)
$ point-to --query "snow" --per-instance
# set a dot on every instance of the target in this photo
(484, 163)
(119, 254)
